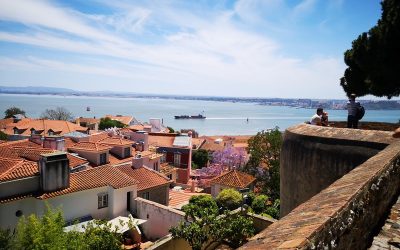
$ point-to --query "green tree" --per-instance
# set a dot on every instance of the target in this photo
(373, 66)
(200, 157)
(204, 226)
(264, 149)
(60, 113)
(6, 238)
(171, 130)
(259, 204)
(108, 123)
(10, 112)
(47, 232)
(229, 199)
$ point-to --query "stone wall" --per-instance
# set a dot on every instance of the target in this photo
(314, 157)
(345, 215)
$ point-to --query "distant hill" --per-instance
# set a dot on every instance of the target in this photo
(35, 90)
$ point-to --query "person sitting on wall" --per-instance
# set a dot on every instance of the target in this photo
(324, 119)
(316, 119)
(352, 108)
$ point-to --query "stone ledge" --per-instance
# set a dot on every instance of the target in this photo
(346, 134)
(344, 214)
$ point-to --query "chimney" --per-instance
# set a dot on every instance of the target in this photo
(137, 161)
(54, 171)
(193, 186)
(36, 139)
(78, 121)
(54, 142)
(142, 137)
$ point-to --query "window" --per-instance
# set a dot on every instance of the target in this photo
(155, 166)
(127, 152)
(177, 159)
(103, 158)
(170, 176)
(16, 132)
(163, 157)
(50, 132)
(146, 195)
(102, 200)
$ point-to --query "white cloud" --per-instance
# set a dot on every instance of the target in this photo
(205, 56)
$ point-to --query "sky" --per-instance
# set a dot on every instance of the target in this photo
(244, 48)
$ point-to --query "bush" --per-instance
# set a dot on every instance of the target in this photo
(108, 123)
(259, 204)
(229, 199)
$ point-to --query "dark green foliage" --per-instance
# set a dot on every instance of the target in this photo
(10, 112)
(3, 136)
(60, 113)
(204, 225)
(108, 123)
(47, 233)
(200, 205)
(229, 199)
(6, 238)
(171, 130)
(264, 149)
(259, 204)
(373, 64)
(200, 158)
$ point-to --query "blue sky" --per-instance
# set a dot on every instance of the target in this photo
(260, 48)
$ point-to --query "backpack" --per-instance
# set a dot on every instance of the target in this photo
(360, 112)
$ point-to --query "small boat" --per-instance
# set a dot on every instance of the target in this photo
(87, 108)
(199, 116)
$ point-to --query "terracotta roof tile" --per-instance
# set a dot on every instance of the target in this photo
(32, 154)
(87, 120)
(94, 178)
(234, 178)
(116, 141)
(21, 143)
(161, 140)
(98, 137)
(124, 119)
(5, 122)
(75, 161)
(145, 177)
(20, 169)
(43, 126)
(115, 160)
(179, 198)
(89, 146)
(69, 142)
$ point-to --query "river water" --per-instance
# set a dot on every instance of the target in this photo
(223, 118)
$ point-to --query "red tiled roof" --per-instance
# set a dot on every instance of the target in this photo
(5, 122)
(75, 161)
(234, 178)
(161, 140)
(145, 177)
(89, 146)
(21, 143)
(18, 169)
(124, 119)
(32, 154)
(94, 178)
(114, 160)
(42, 126)
(69, 142)
(98, 137)
(87, 120)
(179, 198)
(115, 141)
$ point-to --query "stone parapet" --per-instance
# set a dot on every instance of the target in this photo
(313, 157)
(345, 215)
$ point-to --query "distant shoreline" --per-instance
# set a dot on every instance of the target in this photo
(332, 104)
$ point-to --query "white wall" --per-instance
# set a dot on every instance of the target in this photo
(74, 205)
(159, 218)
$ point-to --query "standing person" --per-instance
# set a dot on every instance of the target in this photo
(352, 109)
(316, 119)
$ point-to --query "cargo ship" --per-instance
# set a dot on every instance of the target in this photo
(199, 116)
